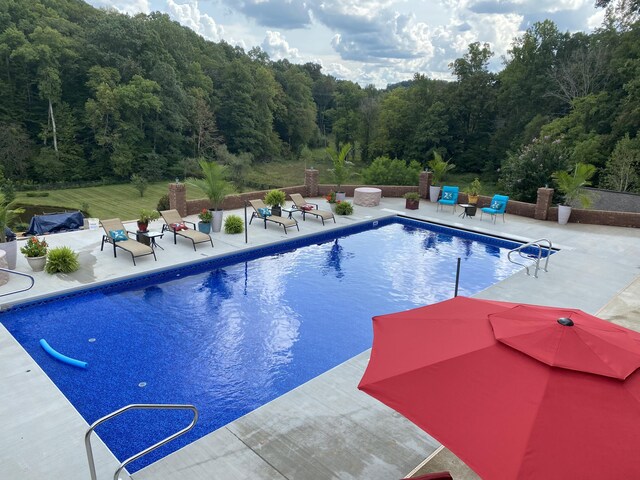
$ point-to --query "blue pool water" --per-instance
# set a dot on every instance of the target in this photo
(230, 335)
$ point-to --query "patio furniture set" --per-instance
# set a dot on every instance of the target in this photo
(449, 197)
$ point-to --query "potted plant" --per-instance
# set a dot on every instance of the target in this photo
(8, 241)
(145, 217)
(570, 186)
(35, 251)
(215, 186)
(204, 225)
(340, 168)
(276, 200)
(439, 168)
(412, 200)
(474, 191)
(344, 208)
(61, 260)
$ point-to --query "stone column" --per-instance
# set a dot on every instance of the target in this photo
(545, 195)
(178, 198)
(425, 183)
(311, 181)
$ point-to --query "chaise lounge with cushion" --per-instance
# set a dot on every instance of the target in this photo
(311, 208)
(263, 212)
(178, 226)
(118, 236)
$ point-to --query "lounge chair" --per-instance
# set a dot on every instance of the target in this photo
(497, 207)
(118, 236)
(260, 210)
(449, 197)
(173, 222)
(310, 208)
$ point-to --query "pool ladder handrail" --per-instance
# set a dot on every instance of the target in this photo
(87, 436)
(535, 243)
(8, 270)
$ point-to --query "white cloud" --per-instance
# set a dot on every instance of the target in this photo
(370, 41)
(277, 47)
(595, 20)
(130, 7)
(189, 15)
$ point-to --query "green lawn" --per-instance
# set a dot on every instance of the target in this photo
(106, 201)
(124, 201)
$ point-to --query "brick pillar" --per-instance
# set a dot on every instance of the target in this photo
(425, 183)
(311, 176)
(178, 197)
(543, 203)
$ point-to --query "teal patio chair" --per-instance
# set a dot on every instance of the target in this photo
(497, 206)
(449, 197)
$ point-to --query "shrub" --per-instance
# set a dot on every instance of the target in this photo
(61, 260)
(412, 196)
(37, 194)
(163, 203)
(344, 208)
(384, 171)
(531, 167)
(233, 224)
(275, 198)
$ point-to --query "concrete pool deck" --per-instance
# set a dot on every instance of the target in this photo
(325, 428)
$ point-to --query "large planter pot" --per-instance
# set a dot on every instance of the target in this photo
(216, 221)
(341, 196)
(434, 193)
(37, 263)
(276, 210)
(411, 204)
(204, 227)
(12, 253)
(473, 199)
(564, 212)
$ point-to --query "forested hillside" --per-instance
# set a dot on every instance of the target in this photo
(88, 94)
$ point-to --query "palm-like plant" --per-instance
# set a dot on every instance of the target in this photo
(7, 215)
(213, 182)
(570, 184)
(439, 168)
(341, 165)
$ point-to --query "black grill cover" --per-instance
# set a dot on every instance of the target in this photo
(55, 222)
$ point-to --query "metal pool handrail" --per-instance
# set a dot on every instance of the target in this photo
(22, 275)
(87, 436)
(535, 243)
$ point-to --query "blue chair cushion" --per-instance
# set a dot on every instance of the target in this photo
(118, 235)
(496, 205)
(264, 212)
(447, 195)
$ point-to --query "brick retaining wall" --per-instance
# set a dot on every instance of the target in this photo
(542, 210)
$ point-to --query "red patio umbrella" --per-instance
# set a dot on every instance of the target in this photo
(515, 391)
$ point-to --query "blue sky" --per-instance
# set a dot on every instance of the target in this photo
(369, 41)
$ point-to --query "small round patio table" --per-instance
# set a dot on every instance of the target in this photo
(367, 196)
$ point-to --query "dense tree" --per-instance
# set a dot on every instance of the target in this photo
(88, 94)
(473, 106)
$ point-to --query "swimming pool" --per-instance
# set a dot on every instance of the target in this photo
(232, 334)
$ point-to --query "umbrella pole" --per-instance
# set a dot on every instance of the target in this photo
(455, 294)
